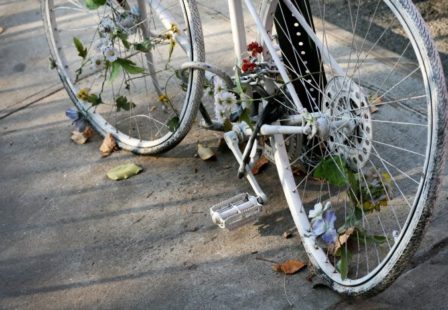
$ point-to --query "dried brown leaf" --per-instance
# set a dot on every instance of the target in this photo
(374, 102)
(88, 132)
(78, 137)
(262, 162)
(289, 267)
(342, 239)
(289, 233)
(205, 153)
(108, 146)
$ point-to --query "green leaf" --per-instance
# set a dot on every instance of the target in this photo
(123, 103)
(144, 46)
(94, 4)
(238, 86)
(82, 51)
(173, 124)
(334, 170)
(366, 239)
(94, 99)
(227, 125)
(342, 264)
(129, 66)
(115, 71)
(122, 172)
(124, 39)
(246, 118)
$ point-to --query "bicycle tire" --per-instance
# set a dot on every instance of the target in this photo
(145, 127)
(410, 219)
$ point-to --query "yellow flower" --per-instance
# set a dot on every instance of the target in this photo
(174, 28)
(83, 93)
(164, 99)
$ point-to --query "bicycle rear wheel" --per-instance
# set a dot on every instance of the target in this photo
(123, 75)
(365, 191)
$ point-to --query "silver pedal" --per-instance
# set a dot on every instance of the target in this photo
(236, 212)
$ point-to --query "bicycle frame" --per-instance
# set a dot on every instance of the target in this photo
(277, 131)
(239, 41)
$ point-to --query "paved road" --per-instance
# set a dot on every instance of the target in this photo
(69, 238)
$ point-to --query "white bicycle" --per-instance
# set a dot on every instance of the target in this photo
(348, 99)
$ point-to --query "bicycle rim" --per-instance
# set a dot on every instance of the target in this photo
(364, 192)
(149, 109)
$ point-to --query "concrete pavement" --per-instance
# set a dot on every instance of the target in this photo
(71, 239)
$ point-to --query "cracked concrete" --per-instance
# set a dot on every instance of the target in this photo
(71, 239)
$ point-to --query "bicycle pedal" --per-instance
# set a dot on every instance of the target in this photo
(236, 211)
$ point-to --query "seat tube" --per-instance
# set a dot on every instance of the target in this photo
(238, 29)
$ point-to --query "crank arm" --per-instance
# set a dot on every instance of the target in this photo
(232, 141)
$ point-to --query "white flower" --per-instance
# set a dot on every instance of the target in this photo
(222, 112)
(127, 22)
(106, 26)
(225, 101)
(98, 62)
(225, 104)
(102, 44)
(227, 98)
(318, 211)
(111, 54)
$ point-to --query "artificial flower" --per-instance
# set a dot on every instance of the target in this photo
(102, 44)
(248, 66)
(318, 211)
(77, 119)
(83, 93)
(226, 97)
(126, 22)
(106, 26)
(111, 54)
(255, 48)
(98, 62)
(324, 227)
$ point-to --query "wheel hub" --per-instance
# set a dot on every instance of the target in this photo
(346, 106)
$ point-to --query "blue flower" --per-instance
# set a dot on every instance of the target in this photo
(77, 119)
(324, 227)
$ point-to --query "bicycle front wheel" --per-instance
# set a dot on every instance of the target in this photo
(361, 194)
(120, 64)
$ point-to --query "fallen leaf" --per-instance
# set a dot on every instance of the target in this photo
(108, 146)
(289, 233)
(289, 267)
(342, 239)
(78, 137)
(88, 132)
(123, 172)
(205, 153)
(82, 137)
(299, 170)
(374, 102)
(260, 164)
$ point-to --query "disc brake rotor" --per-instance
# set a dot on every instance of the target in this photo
(346, 105)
